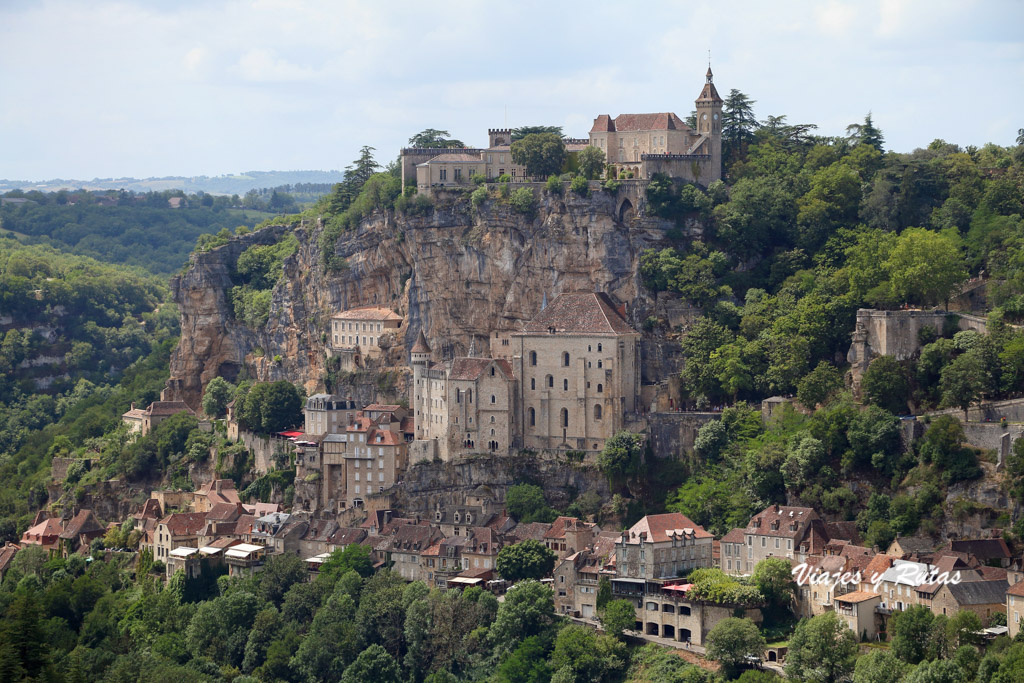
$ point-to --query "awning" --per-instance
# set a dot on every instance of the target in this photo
(681, 587)
(465, 580)
(629, 580)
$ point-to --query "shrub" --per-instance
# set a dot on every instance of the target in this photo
(612, 185)
(504, 178)
(504, 189)
(479, 196)
(477, 179)
(580, 186)
(554, 185)
(522, 200)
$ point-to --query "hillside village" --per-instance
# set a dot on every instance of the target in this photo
(586, 372)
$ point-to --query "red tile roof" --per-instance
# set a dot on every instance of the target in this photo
(184, 523)
(225, 512)
(734, 536)
(37, 534)
(587, 313)
(657, 527)
(790, 522)
(878, 565)
(1016, 589)
(638, 122)
(387, 438)
(7, 554)
(857, 596)
(378, 313)
(82, 523)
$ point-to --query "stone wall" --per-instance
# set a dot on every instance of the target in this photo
(672, 434)
(990, 411)
(263, 449)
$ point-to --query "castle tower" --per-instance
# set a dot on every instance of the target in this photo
(709, 123)
(496, 137)
(420, 352)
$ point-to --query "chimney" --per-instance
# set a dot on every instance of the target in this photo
(133, 405)
(776, 508)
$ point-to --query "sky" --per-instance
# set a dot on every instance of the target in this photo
(207, 87)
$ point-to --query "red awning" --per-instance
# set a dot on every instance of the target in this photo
(681, 587)
(292, 435)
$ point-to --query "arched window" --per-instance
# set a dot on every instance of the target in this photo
(565, 417)
(533, 417)
(533, 383)
(533, 357)
(469, 395)
(588, 348)
(492, 432)
(492, 419)
(565, 385)
(597, 412)
(565, 359)
(492, 371)
(600, 388)
(551, 382)
(492, 399)
(599, 348)
(458, 395)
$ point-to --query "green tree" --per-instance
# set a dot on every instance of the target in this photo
(353, 557)
(926, 267)
(942, 446)
(738, 124)
(773, 577)
(937, 671)
(527, 664)
(373, 664)
(528, 610)
(523, 131)
(866, 133)
(525, 502)
(885, 384)
(591, 162)
(542, 154)
(733, 641)
(910, 631)
(271, 407)
(434, 138)
(819, 384)
(963, 381)
(879, 666)
(216, 396)
(527, 559)
(618, 616)
(622, 455)
(822, 649)
(591, 657)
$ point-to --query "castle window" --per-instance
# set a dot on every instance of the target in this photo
(551, 382)
(599, 348)
(469, 396)
(533, 417)
(492, 399)
(597, 412)
(458, 395)
(600, 364)
(492, 419)
(492, 372)
(588, 348)
(565, 359)
(565, 385)
(600, 388)
(533, 357)
(565, 417)
(533, 383)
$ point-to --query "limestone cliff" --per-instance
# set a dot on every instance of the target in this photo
(458, 273)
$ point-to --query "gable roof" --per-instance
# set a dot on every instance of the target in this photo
(225, 512)
(82, 523)
(978, 592)
(846, 531)
(913, 544)
(878, 565)
(367, 313)
(184, 523)
(168, 408)
(580, 313)
(7, 554)
(791, 522)
(982, 548)
(734, 536)
(469, 369)
(658, 527)
(625, 123)
(1016, 589)
(454, 157)
(47, 527)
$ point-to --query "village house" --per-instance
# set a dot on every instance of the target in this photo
(328, 414)
(577, 577)
(661, 547)
(176, 530)
(858, 610)
(404, 547)
(356, 334)
(245, 559)
(990, 551)
(45, 533)
(145, 421)
(214, 492)
(567, 535)
(984, 598)
(1014, 608)
(7, 553)
(79, 531)
(783, 531)
(731, 551)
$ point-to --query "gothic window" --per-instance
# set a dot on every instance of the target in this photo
(597, 412)
(492, 419)
(600, 388)
(533, 383)
(599, 348)
(533, 357)
(565, 385)
(565, 417)
(551, 382)
(533, 417)
(565, 359)
(492, 399)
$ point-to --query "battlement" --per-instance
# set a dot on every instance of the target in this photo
(434, 151)
(683, 157)
(493, 131)
(576, 141)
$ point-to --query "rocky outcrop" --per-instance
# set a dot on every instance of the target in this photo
(459, 274)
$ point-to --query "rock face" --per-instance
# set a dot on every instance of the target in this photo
(459, 274)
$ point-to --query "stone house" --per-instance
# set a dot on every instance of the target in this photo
(45, 533)
(375, 458)
(567, 535)
(576, 578)
(660, 547)
(858, 610)
(404, 548)
(904, 547)
(145, 421)
(7, 553)
(245, 559)
(328, 414)
(783, 531)
(481, 551)
(79, 531)
(1014, 608)
(990, 551)
(176, 530)
(356, 333)
(984, 598)
(214, 492)
(731, 550)
(343, 537)
(221, 520)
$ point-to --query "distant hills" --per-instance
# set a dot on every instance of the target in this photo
(225, 184)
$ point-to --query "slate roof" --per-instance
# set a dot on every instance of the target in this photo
(347, 536)
(657, 527)
(534, 530)
(915, 544)
(979, 592)
(586, 313)
(983, 548)
(361, 313)
(421, 345)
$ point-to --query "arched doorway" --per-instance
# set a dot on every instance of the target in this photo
(668, 631)
(626, 210)
(684, 635)
(652, 628)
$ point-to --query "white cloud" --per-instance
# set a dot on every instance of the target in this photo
(262, 65)
(835, 18)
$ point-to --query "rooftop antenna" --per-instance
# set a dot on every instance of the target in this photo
(506, 115)
(709, 57)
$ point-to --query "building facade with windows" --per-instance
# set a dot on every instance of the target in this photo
(356, 333)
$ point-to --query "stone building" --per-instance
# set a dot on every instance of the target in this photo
(142, 422)
(356, 333)
(567, 381)
(328, 414)
(1014, 608)
(783, 531)
(660, 547)
(643, 144)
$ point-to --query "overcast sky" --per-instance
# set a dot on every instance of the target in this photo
(200, 87)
